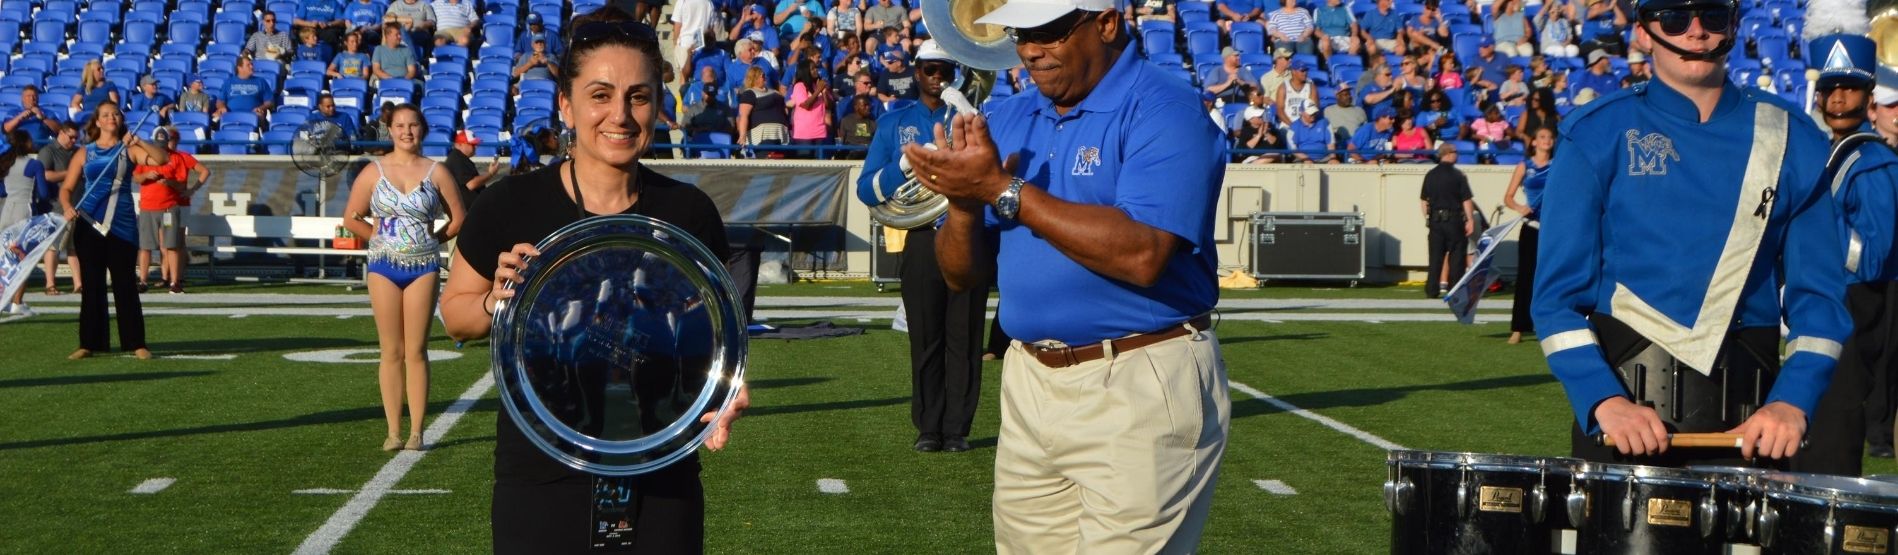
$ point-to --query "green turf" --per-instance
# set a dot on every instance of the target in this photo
(241, 435)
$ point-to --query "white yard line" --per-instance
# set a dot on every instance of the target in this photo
(1275, 487)
(153, 485)
(832, 486)
(345, 519)
(1344, 428)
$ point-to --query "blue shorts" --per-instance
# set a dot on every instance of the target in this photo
(402, 274)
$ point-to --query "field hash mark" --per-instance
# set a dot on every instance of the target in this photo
(832, 486)
(1275, 487)
(152, 486)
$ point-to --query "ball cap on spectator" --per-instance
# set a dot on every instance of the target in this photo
(1636, 57)
(1028, 14)
(464, 137)
(892, 56)
(1311, 109)
(1486, 41)
(1228, 51)
(533, 18)
(1254, 112)
(932, 51)
(1301, 65)
(1597, 56)
(1384, 112)
(147, 80)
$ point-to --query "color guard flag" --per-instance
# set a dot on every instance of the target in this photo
(21, 246)
(1463, 297)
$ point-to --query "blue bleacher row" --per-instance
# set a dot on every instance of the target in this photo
(470, 88)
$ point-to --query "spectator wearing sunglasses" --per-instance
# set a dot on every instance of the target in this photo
(609, 94)
(1103, 204)
(1687, 204)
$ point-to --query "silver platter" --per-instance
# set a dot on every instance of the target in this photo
(623, 332)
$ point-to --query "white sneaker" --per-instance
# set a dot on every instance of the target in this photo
(21, 310)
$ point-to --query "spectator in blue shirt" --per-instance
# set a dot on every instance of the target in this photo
(1371, 141)
(246, 92)
(538, 29)
(1337, 29)
(309, 49)
(537, 63)
(95, 89)
(1310, 137)
(1238, 10)
(365, 17)
(1381, 29)
(325, 17)
(38, 124)
(1597, 77)
(794, 15)
(351, 63)
(326, 110)
(746, 51)
(149, 99)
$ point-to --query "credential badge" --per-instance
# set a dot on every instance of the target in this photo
(1648, 155)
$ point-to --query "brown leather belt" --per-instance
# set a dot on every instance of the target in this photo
(1065, 356)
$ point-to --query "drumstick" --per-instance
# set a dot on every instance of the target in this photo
(1687, 440)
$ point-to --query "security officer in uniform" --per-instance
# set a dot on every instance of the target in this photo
(1686, 204)
(1862, 175)
(1450, 214)
(945, 327)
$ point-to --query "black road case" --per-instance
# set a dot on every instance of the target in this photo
(1308, 245)
(885, 267)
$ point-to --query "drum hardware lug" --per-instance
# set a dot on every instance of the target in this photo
(1768, 521)
(1832, 525)
(1463, 494)
(1709, 513)
(1627, 508)
(1539, 499)
(1674, 379)
(1397, 495)
(1577, 503)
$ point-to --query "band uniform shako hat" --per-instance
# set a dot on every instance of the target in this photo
(1837, 45)
(1028, 14)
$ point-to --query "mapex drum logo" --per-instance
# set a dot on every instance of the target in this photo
(1648, 155)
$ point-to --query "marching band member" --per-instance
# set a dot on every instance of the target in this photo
(1660, 276)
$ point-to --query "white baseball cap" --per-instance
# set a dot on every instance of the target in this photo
(1028, 14)
(1884, 96)
(932, 51)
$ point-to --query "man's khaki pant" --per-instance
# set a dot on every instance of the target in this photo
(1117, 455)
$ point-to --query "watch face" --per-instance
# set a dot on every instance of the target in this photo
(623, 333)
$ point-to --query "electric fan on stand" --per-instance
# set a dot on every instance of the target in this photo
(318, 151)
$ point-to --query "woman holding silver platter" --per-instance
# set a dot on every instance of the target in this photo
(601, 339)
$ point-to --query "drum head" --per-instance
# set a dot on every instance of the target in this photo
(623, 333)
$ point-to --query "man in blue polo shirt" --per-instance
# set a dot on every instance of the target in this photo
(39, 124)
(1310, 137)
(1692, 223)
(323, 16)
(246, 92)
(945, 326)
(1381, 29)
(1102, 187)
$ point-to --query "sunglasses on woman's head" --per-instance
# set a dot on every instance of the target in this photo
(597, 31)
(1675, 21)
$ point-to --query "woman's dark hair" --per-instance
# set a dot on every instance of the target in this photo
(1541, 99)
(19, 145)
(607, 26)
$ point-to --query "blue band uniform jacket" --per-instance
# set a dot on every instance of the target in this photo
(1686, 230)
(1865, 186)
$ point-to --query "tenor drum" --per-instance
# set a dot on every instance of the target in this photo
(1646, 509)
(1815, 513)
(1477, 503)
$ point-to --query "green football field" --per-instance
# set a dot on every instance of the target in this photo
(239, 440)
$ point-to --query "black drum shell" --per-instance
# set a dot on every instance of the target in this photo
(1676, 529)
(1432, 523)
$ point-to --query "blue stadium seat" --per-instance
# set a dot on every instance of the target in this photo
(225, 51)
(1202, 40)
(124, 80)
(85, 50)
(236, 141)
(37, 63)
(286, 10)
(485, 120)
(180, 30)
(140, 32)
(63, 9)
(170, 82)
(450, 104)
(228, 32)
(536, 101)
(103, 14)
(238, 119)
(308, 67)
(451, 52)
(1772, 45)
(235, 12)
(278, 142)
(151, 7)
(1247, 36)
(179, 51)
(435, 146)
(13, 82)
(539, 87)
(439, 118)
(398, 90)
(49, 31)
(126, 62)
(268, 68)
(1167, 60)
(94, 31)
(199, 12)
(1190, 12)
(304, 87)
(494, 102)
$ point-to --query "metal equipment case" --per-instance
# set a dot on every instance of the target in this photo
(885, 267)
(1308, 245)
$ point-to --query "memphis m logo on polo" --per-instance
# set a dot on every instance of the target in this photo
(1085, 160)
(1648, 155)
(906, 134)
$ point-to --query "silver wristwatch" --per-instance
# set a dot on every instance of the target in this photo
(1008, 205)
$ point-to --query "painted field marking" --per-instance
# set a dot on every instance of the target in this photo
(345, 519)
(199, 357)
(152, 486)
(333, 491)
(239, 316)
(355, 356)
(832, 486)
(1344, 428)
(344, 316)
(1275, 487)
